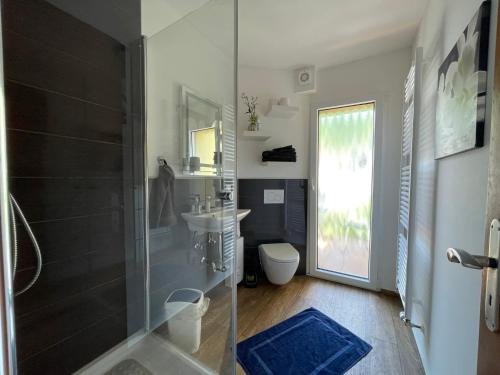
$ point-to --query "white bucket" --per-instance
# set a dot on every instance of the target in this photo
(184, 309)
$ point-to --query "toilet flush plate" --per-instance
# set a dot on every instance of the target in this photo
(274, 196)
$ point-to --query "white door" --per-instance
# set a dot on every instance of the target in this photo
(341, 194)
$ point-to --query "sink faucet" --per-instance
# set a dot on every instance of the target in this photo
(196, 205)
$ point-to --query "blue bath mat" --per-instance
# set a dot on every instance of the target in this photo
(307, 343)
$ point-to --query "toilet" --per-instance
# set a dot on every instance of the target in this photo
(279, 261)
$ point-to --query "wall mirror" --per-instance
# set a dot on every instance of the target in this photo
(201, 133)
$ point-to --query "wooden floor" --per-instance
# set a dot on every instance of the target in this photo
(372, 316)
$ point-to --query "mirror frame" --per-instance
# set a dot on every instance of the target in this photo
(186, 151)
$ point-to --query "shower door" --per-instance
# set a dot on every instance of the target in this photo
(94, 188)
(191, 155)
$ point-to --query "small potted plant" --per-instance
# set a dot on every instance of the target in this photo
(251, 103)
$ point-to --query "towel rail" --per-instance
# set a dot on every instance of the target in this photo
(406, 199)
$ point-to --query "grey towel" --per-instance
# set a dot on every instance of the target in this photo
(161, 199)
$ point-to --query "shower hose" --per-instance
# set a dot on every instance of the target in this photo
(14, 207)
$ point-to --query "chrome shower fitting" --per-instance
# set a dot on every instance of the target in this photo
(14, 207)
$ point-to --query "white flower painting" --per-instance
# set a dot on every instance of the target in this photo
(461, 97)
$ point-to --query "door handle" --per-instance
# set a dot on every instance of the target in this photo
(477, 262)
(490, 263)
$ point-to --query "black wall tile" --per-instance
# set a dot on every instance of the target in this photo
(79, 349)
(59, 72)
(60, 240)
(57, 281)
(56, 322)
(72, 174)
(105, 267)
(34, 109)
(48, 156)
(272, 223)
(30, 19)
(86, 233)
(46, 199)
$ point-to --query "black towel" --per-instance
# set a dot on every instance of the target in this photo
(286, 148)
(280, 158)
(272, 153)
(285, 154)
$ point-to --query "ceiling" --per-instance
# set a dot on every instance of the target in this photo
(159, 14)
(284, 34)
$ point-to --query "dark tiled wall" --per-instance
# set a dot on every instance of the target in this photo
(268, 223)
(67, 149)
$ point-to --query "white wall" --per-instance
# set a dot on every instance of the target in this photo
(450, 209)
(183, 54)
(379, 78)
(267, 84)
(158, 14)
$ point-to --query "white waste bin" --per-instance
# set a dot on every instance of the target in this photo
(184, 309)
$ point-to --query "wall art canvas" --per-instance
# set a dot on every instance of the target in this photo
(461, 98)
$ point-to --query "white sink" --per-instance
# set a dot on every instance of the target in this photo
(215, 221)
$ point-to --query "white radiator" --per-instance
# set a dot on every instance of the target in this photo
(229, 181)
(410, 113)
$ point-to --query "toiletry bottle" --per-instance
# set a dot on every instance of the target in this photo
(208, 203)
(196, 204)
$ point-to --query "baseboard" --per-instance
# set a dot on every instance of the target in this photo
(389, 292)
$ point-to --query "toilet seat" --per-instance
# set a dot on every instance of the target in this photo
(280, 252)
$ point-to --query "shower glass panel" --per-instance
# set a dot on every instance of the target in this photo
(191, 179)
(115, 205)
(75, 149)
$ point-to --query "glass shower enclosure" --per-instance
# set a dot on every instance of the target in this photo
(117, 186)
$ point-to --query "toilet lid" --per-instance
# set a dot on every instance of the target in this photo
(280, 252)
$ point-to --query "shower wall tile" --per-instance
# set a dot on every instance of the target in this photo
(60, 72)
(75, 157)
(62, 240)
(48, 199)
(55, 238)
(33, 109)
(270, 223)
(70, 167)
(83, 347)
(58, 280)
(53, 28)
(56, 322)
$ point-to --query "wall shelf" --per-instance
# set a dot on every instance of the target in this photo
(282, 111)
(259, 136)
